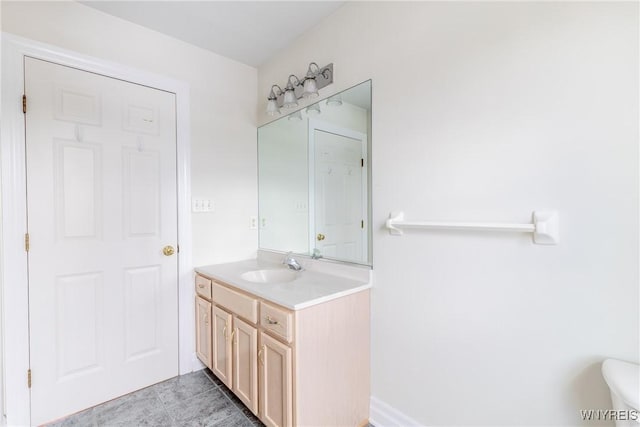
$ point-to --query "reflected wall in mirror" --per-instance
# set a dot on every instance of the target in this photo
(314, 179)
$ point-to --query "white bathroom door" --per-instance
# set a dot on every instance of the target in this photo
(340, 195)
(101, 200)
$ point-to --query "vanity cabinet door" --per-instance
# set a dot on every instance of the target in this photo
(221, 363)
(245, 363)
(276, 398)
(203, 331)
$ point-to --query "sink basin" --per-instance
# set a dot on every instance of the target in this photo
(275, 275)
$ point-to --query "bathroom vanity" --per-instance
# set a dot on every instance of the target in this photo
(293, 346)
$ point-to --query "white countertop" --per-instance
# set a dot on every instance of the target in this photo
(311, 287)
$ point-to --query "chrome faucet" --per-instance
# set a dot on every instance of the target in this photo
(291, 262)
(316, 254)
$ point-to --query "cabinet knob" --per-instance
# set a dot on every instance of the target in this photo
(320, 236)
(168, 250)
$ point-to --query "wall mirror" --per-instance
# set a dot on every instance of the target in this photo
(314, 179)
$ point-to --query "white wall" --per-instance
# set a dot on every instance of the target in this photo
(487, 111)
(223, 97)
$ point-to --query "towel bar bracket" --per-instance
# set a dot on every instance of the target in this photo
(546, 228)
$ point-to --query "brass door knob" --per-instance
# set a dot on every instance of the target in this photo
(168, 250)
(320, 236)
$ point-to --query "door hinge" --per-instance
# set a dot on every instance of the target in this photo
(362, 223)
(29, 378)
(26, 242)
(362, 163)
(24, 104)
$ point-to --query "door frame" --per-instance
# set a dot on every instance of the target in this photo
(349, 133)
(13, 257)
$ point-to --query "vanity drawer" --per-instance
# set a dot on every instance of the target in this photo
(276, 320)
(240, 304)
(203, 286)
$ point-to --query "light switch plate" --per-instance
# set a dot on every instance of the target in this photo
(202, 205)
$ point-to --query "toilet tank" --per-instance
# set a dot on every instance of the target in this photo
(623, 379)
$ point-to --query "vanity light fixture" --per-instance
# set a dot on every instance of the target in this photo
(272, 101)
(297, 116)
(313, 109)
(315, 79)
(334, 101)
(290, 98)
(310, 87)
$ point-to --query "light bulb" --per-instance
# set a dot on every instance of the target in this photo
(310, 88)
(290, 100)
(334, 101)
(272, 107)
(297, 116)
(313, 109)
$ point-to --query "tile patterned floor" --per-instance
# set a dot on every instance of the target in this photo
(196, 399)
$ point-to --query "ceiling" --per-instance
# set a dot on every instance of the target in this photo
(250, 32)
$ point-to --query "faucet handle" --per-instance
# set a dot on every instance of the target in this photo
(291, 262)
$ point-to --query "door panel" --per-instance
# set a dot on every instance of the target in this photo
(221, 346)
(276, 394)
(141, 193)
(77, 186)
(78, 314)
(245, 363)
(203, 331)
(101, 201)
(340, 196)
(142, 285)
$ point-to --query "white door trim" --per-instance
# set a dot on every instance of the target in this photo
(13, 258)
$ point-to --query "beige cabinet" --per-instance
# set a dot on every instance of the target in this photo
(221, 348)
(276, 378)
(203, 320)
(245, 363)
(203, 331)
(203, 287)
(291, 367)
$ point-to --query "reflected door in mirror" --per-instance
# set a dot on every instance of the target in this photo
(340, 193)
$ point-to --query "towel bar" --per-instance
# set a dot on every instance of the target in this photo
(544, 226)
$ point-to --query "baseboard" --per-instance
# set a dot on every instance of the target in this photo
(193, 364)
(382, 414)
